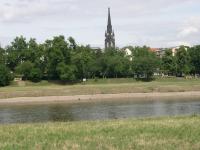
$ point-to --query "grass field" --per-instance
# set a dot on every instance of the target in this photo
(181, 133)
(100, 86)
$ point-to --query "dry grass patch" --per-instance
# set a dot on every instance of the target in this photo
(103, 86)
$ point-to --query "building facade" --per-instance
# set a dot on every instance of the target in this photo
(109, 35)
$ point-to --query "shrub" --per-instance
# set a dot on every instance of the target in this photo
(35, 75)
(5, 76)
(25, 69)
(66, 72)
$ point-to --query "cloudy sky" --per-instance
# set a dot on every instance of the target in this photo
(156, 23)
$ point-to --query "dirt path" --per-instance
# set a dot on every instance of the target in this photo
(103, 97)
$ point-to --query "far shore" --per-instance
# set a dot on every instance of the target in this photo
(155, 96)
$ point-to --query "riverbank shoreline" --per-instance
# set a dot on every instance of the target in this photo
(154, 96)
(106, 86)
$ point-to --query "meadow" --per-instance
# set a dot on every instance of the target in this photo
(159, 133)
(99, 86)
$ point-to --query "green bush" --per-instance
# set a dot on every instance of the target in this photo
(66, 72)
(35, 75)
(24, 69)
(5, 76)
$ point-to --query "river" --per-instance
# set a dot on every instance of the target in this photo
(96, 111)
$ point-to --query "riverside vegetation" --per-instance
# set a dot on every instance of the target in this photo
(161, 133)
(66, 61)
(100, 86)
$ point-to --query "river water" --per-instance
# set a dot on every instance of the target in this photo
(96, 111)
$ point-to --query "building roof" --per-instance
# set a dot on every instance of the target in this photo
(154, 49)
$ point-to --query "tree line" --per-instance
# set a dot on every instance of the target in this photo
(64, 60)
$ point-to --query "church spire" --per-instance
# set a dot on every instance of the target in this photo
(109, 19)
(109, 26)
(110, 36)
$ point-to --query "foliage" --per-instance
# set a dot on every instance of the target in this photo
(194, 53)
(5, 75)
(35, 75)
(114, 63)
(183, 61)
(72, 42)
(65, 60)
(169, 63)
(17, 52)
(84, 58)
(66, 72)
(57, 51)
(25, 69)
(2, 56)
(145, 63)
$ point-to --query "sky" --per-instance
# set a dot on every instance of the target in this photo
(155, 23)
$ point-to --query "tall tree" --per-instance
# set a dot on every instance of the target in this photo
(84, 59)
(145, 63)
(37, 55)
(194, 53)
(5, 75)
(57, 51)
(72, 43)
(17, 52)
(183, 61)
(168, 64)
(114, 63)
(2, 56)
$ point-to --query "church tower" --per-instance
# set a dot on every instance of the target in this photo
(110, 35)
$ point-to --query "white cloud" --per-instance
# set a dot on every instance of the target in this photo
(157, 23)
(29, 10)
(188, 31)
(179, 43)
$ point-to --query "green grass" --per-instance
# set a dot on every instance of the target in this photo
(162, 133)
(100, 86)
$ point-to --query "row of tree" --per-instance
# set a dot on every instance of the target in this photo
(185, 62)
(64, 60)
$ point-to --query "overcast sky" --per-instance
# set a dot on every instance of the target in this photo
(156, 23)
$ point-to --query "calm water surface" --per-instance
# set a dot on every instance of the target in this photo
(96, 111)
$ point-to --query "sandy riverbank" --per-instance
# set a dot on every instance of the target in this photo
(103, 97)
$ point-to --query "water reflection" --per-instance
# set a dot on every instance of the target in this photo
(96, 111)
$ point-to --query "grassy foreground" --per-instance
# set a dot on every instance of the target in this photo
(162, 133)
(100, 86)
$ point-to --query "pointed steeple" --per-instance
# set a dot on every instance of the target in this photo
(109, 26)
(109, 18)
(110, 36)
